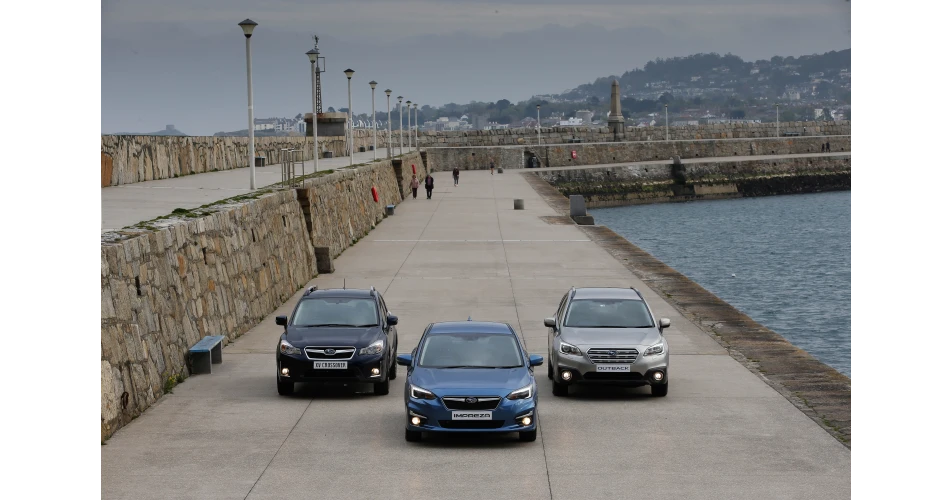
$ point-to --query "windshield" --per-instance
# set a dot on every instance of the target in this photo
(471, 351)
(336, 311)
(608, 313)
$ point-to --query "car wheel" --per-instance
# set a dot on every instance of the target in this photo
(382, 388)
(413, 436)
(560, 390)
(528, 436)
(285, 388)
(392, 372)
(659, 390)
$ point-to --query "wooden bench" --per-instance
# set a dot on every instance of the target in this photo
(206, 352)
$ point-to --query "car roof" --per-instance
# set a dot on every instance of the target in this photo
(607, 293)
(339, 292)
(489, 327)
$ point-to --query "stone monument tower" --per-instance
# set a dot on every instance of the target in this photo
(615, 120)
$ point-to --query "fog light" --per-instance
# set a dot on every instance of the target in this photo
(658, 376)
(526, 421)
(375, 371)
(566, 375)
(415, 420)
(285, 372)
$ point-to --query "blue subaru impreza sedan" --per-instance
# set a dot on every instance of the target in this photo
(470, 376)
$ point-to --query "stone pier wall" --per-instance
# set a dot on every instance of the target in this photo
(219, 273)
(666, 182)
(602, 153)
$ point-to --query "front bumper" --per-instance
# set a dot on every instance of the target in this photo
(583, 371)
(435, 417)
(359, 369)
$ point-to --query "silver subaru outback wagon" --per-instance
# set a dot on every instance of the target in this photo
(607, 336)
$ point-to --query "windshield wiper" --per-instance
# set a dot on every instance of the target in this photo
(325, 324)
(365, 326)
(464, 366)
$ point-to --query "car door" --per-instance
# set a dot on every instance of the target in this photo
(389, 329)
(554, 332)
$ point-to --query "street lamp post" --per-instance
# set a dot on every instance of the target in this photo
(416, 126)
(409, 127)
(248, 26)
(778, 119)
(389, 129)
(373, 113)
(350, 113)
(400, 100)
(539, 122)
(666, 122)
(312, 55)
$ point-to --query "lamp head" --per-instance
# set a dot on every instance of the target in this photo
(247, 26)
(349, 72)
(388, 92)
(312, 55)
(373, 84)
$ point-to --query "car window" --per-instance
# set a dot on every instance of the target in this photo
(335, 311)
(561, 310)
(471, 350)
(608, 313)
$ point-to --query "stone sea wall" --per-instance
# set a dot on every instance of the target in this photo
(668, 182)
(219, 273)
(143, 158)
(601, 153)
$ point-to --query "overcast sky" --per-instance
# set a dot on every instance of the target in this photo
(182, 62)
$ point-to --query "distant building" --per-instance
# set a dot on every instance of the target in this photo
(585, 115)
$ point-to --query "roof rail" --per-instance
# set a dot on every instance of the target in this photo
(638, 293)
(372, 290)
(309, 290)
(572, 293)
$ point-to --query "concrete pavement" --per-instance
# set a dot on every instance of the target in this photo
(130, 204)
(720, 433)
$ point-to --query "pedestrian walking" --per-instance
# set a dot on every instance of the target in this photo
(456, 176)
(428, 185)
(492, 167)
(414, 185)
(827, 146)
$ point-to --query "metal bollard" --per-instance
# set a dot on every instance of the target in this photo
(518, 204)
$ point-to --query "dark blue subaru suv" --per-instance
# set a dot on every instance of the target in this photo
(470, 376)
(338, 335)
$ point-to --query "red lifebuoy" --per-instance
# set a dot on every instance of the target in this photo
(373, 190)
(414, 168)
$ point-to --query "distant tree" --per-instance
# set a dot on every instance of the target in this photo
(593, 100)
(737, 114)
(665, 98)
(331, 109)
(503, 104)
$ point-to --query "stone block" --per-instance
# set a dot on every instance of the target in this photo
(577, 205)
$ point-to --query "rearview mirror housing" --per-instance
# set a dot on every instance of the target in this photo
(281, 320)
(404, 359)
(664, 323)
(391, 320)
(549, 322)
(535, 360)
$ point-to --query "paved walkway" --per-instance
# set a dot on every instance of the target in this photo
(130, 204)
(720, 433)
(713, 159)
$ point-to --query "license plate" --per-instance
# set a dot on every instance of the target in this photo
(613, 368)
(330, 365)
(472, 415)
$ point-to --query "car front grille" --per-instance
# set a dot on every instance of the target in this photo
(615, 377)
(327, 374)
(612, 355)
(320, 353)
(480, 403)
(471, 424)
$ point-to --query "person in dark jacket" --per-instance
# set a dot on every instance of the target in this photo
(456, 176)
(428, 185)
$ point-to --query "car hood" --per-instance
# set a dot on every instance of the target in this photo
(332, 336)
(471, 381)
(614, 337)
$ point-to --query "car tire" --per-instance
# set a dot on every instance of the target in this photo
(285, 388)
(560, 390)
(382, 388)
(528, 436)
(549, 364)
(660, 390)
(392, 372)
(413, 436)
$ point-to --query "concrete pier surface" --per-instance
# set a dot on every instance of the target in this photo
(721, 432)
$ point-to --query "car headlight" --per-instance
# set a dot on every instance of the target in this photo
(654, 350)
(524, 393)
(569, 349)
(287, 348)
(375, 348)
(418, 393)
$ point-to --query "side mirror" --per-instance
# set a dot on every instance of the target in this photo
(281, 320)
(664, 323)
(391, 320)
(549, 322)
(404, 359)
(535, 360)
